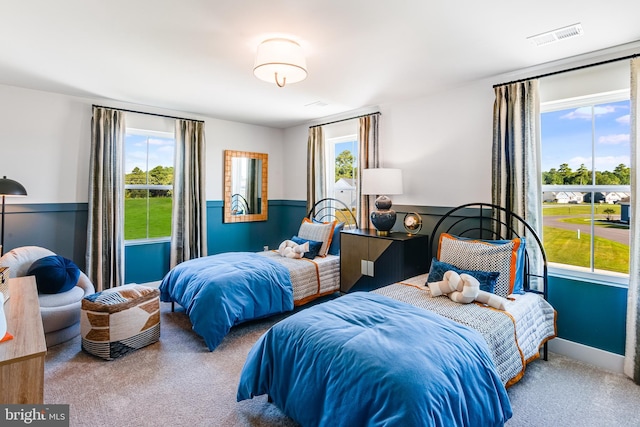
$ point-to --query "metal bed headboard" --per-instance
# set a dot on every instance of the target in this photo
(330, 209)
(239, 204)
(493, 222)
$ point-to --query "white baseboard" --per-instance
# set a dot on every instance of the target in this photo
(591, 355)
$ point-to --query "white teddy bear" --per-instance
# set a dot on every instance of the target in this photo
(291, 249)
(464, 288)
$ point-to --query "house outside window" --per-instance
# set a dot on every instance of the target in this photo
(585, 161)
(149, 163)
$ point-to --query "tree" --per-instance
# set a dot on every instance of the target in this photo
(582, 176)
(565, 172)
(607, 178)
(137, 176)
(345, 165)
(623, 173)
(552, 177)
(609, 212)
(161, 175)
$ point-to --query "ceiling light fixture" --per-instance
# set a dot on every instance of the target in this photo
(557, 35)
(280, 60)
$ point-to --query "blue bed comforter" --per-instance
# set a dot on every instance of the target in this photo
(223, 290)
(365, 359)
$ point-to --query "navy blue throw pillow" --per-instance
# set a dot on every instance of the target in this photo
(54, 274)
(487, 279)
(314, 247)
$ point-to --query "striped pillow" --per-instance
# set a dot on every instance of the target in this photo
(318, 232)
(483, 255)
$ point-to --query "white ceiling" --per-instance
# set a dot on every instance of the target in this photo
(196, 56)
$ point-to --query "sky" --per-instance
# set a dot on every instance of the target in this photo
(135, 152)
(566, 137)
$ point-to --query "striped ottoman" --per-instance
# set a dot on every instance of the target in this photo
(120, 320)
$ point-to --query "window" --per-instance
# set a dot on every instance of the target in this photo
(343, 171)
(148, 184)
(586, 183)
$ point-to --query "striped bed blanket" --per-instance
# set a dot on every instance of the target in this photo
(514, 336)
(310, 278)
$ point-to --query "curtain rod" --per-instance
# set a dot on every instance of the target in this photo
(149, 114)
(344, 120)
(553, 73)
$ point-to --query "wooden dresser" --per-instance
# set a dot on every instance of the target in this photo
(22, 358)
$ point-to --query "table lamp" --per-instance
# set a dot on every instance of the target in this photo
(8, 187)
(382, 182)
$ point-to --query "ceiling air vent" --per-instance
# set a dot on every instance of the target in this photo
(317, 104)
(557, 35)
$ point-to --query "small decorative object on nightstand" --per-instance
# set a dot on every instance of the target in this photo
(412, 223)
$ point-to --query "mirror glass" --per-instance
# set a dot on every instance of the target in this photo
(245, 186)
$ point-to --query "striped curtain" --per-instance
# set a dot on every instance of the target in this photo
(189, 218)
(632, 346)
(516, 179)
(367, 158)
(105, 228)
(316, 167)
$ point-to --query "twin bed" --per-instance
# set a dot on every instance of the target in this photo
(223, 290)
(397, 355)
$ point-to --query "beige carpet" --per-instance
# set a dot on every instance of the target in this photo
(178, 382)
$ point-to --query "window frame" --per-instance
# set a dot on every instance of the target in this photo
(588, 274)
(149, 134)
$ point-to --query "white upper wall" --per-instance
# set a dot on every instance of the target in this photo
(45, 140)
(442, 143)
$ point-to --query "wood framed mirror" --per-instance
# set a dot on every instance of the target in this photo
(245, 186)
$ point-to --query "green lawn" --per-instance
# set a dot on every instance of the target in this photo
(563, 246)
(582, 209)
(135, 218)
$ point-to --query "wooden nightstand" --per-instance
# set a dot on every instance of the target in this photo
(369, 261)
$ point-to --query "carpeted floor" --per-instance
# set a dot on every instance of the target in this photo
(178, 382)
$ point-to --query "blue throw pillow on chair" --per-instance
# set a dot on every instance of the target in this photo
(54, 274)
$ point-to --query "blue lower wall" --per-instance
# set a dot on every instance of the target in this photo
(150, 262)
(588, 313)
(62, 227)
(592, 314)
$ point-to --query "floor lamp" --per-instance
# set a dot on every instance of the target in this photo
(8, 187)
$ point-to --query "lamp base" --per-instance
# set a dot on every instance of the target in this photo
(384, 218)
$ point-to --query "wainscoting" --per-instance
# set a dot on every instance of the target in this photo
(589, 314)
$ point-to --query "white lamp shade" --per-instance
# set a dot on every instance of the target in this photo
(280, 61)
(381, 181)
